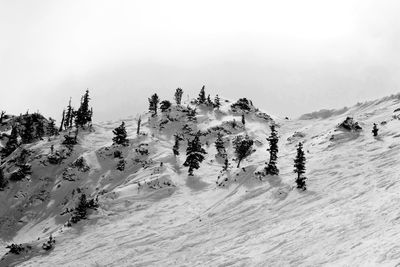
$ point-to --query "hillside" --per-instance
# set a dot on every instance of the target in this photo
(152, 213)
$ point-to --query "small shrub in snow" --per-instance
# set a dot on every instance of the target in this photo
(121, 165)
(15, 248)
(21, 172)
(117, 154)
(375, 130)
(49, 243)
(350, 125)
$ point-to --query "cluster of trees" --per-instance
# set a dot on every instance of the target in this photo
(79, 118)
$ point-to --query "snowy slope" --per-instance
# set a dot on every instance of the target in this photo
(153, 214)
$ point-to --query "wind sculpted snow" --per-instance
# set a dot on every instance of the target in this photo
(153, 214)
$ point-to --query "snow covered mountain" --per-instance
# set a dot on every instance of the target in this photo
(151, 213)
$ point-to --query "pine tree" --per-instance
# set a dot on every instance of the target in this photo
(138, 125)
(2, 114)
(195, 154)
(27, 133)
(219, 145)
(217, 102)
(84, 114)
(120, 135)
(209, 101)
(12, 142)
(300, 168)
(273, 139)
(153, 104)
(62, 121)
(178, 96)
(69, 115)
(40, 131)
(175, 148)
(191, 114)
(243, 120)
(165, 105)
(51, 127)
(226, 164)
(375, 130)
(202, 96)
(242, 147)
(3, 180)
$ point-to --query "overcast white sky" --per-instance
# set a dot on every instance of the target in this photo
(288, 56)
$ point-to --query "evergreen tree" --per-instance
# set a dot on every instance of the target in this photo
(3, 180)
(165, 105)
(243, 119)
(219, 145)
(51, 127)
(209, 101)
(191, 114)
(40, 131)
(12, 142)
(375, 130)
(81, 208)
(84, 114)
(202, 96)
(300, 167)
(138, 125)
(178, 96)
(62, 121)
(226, 164)
(194, 154)
(273, 139)
(69, 115)
(2, 114)
(153, 104)
(217, 102)
(120, 135)
(27, 134)
(243, 147)
(175, 148)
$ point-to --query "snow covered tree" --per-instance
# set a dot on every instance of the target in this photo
(51, 127)
(120, 135)
(243, 147)
(194, 154)
(12, 142)
(375, 130)
(84, 114)
(27, 133)
(153, 104)
(3, 180)
(243, 119)
(217, 102)
(273, 139)
(219, 145)
(165, 105)
(175, 148)
(300, 167)
(138, 125)
(178, 96)
(202, 96)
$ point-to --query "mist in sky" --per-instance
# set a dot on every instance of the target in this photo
(289, 57)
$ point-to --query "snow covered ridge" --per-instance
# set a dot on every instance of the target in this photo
(121, 193)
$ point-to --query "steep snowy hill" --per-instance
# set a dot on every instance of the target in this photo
(151, 213)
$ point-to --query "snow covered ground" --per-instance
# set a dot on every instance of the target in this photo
(153, 214)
